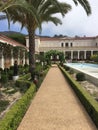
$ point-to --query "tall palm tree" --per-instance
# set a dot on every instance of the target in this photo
(45, 10)
(19, 5)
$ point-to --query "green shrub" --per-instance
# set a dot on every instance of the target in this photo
(66, 68)
(4, 78)
(3, 105)
(25, 77)
(16, 113)
(41, 78)
(11, 67)
(10, 74)
(86, 99)
(71, 71)
(22, 85)
(80, 76)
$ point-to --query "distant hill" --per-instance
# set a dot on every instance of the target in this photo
(11, 33)
(17, 36)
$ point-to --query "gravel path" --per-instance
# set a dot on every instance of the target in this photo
(56, 107)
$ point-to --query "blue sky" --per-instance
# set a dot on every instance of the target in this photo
(76, 22)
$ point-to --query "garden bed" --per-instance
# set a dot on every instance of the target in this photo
(91, 88)
(9, 94)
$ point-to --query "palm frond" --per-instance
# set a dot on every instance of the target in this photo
(53, 10)
(56, 3)
(54, 20)
(85, 4)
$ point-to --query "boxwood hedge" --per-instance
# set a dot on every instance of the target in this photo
(17, 111)
(87, 100)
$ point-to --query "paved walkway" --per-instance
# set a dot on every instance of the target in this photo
(56, 107)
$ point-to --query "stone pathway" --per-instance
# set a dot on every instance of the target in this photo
(56, 107)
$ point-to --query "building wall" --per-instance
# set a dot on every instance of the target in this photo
(79, 46)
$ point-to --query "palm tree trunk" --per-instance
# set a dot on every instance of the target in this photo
(31, 51)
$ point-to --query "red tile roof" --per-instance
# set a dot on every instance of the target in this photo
(5, 39)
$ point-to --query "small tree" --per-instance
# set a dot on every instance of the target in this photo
(94, 57)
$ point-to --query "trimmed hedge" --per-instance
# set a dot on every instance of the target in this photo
(87, 100)
(42, 76)
(25, 77)
(13, 118)
(22, 83)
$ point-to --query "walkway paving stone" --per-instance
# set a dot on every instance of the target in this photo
(56, 107)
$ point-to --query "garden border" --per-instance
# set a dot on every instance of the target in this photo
(14, 116)
(86, 99)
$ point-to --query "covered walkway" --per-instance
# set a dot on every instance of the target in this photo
(56, 107)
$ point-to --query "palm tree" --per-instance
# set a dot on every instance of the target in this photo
(16, 5)
(44, 10)
(5, 4)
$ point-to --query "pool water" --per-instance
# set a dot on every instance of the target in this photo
(82, 65)
(90, 70)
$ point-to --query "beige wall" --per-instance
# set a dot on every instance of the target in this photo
(46, 44)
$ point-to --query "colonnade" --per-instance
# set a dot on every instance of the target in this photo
(79, 54)
(22, 61)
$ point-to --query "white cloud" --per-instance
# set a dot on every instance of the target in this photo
(76, 22)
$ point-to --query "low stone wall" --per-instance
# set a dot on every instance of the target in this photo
(92, 79)
(88, 77)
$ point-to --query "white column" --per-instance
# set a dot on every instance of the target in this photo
(19, 57)
(91, 52)
(12, 58)
(78, 54)
(27, 61)
(71, 54)
(23, 58)
(57, 57)
(85, 54)
(51, 57)
(2, 61)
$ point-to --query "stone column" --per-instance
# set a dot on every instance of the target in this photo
(12, 58)
(71, 54)
(85, 54)
(78, 55)
(24, 58)
(91, 52)
(51, 57)
(57, 57)
(19, 57)
(27, 61)
(2, 60)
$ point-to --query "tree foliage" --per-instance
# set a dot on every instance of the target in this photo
(54, 55)
(18, 38)
(94, 57)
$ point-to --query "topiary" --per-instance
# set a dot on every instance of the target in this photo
(80, 76)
